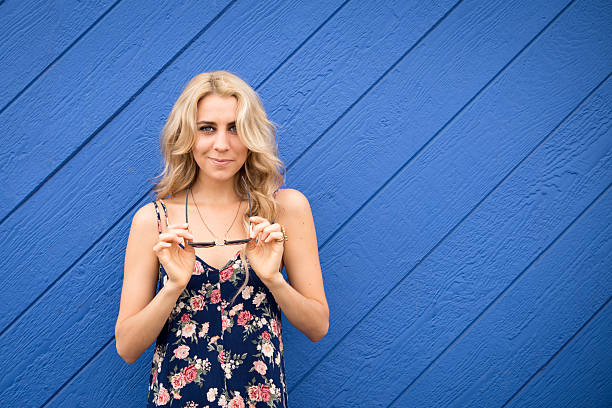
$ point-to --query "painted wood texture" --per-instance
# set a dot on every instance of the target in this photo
(457, 157)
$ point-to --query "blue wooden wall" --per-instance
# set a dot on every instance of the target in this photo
(457, 157)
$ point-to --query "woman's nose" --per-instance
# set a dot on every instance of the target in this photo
(221, 142)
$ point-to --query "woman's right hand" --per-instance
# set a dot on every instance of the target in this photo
(178, 262)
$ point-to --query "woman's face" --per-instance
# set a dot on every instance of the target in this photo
(218, 150)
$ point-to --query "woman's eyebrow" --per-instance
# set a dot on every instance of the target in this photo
(206, 122)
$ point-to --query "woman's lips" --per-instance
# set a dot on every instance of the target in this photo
(219, 162)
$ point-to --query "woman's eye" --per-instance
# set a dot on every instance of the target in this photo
(233, 129)
(206, 128)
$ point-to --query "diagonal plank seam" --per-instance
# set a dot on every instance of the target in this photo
(410, 160)
(61, 54)
(69, 268)
(502, 293)
(148, 192)
(374, 84)
(96, 354)
(567, 343)
(116, 113)
(139, 91)
(539, 256)
(139, 201)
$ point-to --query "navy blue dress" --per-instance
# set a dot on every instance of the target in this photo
(211, 353)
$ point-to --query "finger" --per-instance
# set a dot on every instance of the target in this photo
(185, 234)
(178, 226)
(161, 245)
(257, 219)
(170, 236)
(259, 227)
(270, 228)
(273, 236)
(175, 234)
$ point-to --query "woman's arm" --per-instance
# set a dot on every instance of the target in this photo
(303, 301)
(142, 313)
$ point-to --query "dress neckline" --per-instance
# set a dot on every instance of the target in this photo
(231, 260)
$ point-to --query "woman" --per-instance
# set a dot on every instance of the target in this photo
(214, 250)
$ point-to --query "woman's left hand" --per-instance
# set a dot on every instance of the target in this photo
(264, 252)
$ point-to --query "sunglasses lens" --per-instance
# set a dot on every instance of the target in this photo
(237, 242)
(202, 244)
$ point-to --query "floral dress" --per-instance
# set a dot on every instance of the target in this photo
(210, 353)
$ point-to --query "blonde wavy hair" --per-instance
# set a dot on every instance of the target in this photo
(263, 170)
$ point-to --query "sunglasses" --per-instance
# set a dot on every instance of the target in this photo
(225, 242)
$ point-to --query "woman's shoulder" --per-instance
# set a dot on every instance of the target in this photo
(151, 212)
(292, 201)
(145, 217)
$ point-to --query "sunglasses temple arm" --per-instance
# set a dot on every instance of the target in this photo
(186, 198)
(248, 194)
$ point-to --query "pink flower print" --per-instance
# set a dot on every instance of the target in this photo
(226, 273)
(264, 391)
(197, 302)
(254, 393)
(258, 299)
(188, 329)
(236, 402)
(198, 269)
(267, 349)
(275, 327)
(235, 309)
(215, 296)
(244, 317)
(260, 367)
(162, 397)
(225, 322)
(185, 318)
(178, 380)
(203, 330)
(265, 335)
(191, 372)
(181, 352)
(220, 357)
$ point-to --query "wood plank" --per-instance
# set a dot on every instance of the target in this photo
(461, 165)
(537, 314)
(493, 34)
(108, 381)
(580, 375)
(77, 313)
(140, 155)
(450, 287)
(26, 48)
(88, 86)
(548, 303)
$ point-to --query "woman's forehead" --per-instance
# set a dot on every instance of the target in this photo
(217, 108)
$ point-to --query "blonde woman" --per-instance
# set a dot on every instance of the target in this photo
(203, 261)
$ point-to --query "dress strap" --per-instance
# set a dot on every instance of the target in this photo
(159, 228)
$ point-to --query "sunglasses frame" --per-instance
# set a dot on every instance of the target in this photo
(225, 242)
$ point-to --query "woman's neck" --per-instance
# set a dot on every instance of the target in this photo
(213, 192)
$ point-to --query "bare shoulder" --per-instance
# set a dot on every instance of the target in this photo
(292, 203)
(145, 219)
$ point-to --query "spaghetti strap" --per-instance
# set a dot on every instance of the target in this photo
(159, 228)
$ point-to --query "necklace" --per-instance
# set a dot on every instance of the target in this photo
(206, 225)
